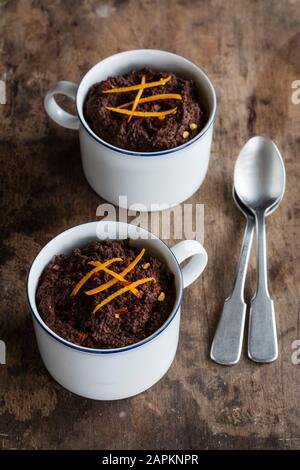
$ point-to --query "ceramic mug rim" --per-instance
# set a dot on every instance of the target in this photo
(210, 121)
(98, 351)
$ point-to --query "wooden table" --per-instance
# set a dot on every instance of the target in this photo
(250, 49)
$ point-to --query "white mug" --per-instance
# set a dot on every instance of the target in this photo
(111, 374)
(153, 180)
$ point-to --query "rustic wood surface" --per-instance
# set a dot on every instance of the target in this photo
(250, 49)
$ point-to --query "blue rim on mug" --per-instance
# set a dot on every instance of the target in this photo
(66, 343)
(150, 154)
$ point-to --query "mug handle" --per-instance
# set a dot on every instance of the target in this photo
(194, 250)
(55, 111)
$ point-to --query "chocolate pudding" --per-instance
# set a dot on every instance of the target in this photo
(145, 110)
(105, 295)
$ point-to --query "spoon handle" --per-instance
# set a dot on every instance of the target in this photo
(262, 341)
(227, 343)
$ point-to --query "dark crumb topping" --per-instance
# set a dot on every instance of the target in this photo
(145, 134)
(126, 319)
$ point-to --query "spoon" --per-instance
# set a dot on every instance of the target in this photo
(259, 179)
(228, 340)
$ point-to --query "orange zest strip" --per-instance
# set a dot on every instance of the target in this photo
(142, 113)
(116, 276)
(90, 274)
(123, 274)
(140, 86)
(147, 99)
(137, 98)
(112, 273)
(122, 291)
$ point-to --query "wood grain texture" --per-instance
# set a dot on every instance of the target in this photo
(250, 49)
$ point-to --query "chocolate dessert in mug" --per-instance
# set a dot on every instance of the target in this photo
(114, 336)
(157, 159)
(106, 294)
(145, 110)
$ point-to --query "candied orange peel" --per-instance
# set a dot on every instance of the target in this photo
(140, 86)
(123, 274)
(85, 278)
(115, 275)
(122, 291)
(137, 98)
(148, 99)
(142, 113)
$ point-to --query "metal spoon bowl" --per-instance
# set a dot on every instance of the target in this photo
(259, 175)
